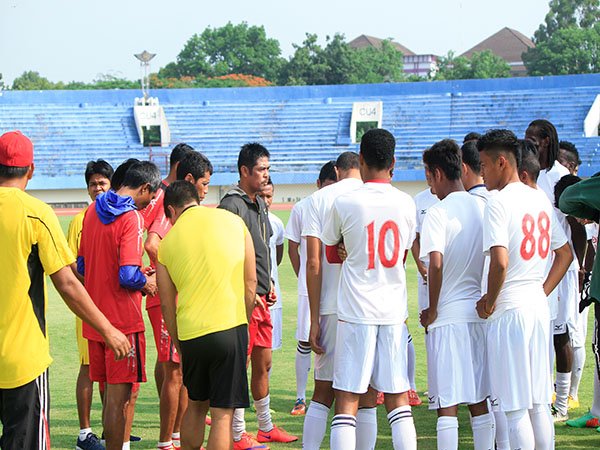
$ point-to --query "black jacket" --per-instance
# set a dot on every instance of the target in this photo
(255, 216)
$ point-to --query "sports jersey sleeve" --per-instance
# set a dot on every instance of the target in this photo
(53, 248)
(495, 227)
(433, 236)
(559, 238)
(312, 224)
(160, 225)
(582, 200)
(74, 233)
(279, 232)
(332, 228)
(130, 244)
(293, 230)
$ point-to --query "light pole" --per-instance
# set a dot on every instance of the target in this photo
(145, 58)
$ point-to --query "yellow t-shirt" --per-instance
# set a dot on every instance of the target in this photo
(31, 243)
(74, 232)
(204, 254)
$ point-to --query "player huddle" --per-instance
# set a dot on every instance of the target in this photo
(498, 277)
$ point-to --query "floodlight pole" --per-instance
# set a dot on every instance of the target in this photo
(145, 58)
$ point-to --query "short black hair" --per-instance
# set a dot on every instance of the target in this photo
(119, 175)
(327, 172)
(347, 161)
(530, 162)
(545, 129)
(377, 148)
(571, 152)
(250, 153)
(562, 184)
(10, 172)
(178, 194)
(500, 140)
(470, 156)
(472, 136)
(141, 173)
(444, 155)
(194, 163)
(179, 152)
(99, 167)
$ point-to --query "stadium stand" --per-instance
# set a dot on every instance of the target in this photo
(302, 126)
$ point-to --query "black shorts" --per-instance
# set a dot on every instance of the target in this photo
(214, 368)
(24, 416)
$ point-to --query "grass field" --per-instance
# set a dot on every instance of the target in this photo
(63, 373)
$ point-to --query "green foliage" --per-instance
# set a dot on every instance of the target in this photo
(2, 86)
(483, 64)
(567, 14)
(32, 81)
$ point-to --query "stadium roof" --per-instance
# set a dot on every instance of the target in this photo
(364, 41)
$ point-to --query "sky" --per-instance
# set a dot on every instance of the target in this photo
(66, 40)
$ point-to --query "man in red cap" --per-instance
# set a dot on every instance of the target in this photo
(32, 244)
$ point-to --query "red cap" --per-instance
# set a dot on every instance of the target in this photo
(16, 150)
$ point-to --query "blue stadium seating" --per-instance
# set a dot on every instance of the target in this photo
(301, 126)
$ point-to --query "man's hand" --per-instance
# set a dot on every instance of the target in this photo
(427, 317)
(259, 302)
(341, 251)
(423, 272)
(271, 296)
(483, 310)
(150, 286)
(118, 343)
(315, 338)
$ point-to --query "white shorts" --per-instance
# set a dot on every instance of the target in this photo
(457, 369)
(324, 362)
(568, 303)
(519, 367)
(277, 319)
(579, 334)
(371, 355)
(303, 323)
(422, 293)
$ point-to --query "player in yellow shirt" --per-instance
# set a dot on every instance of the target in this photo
(213, 273)
(32, 244)
(97, 179)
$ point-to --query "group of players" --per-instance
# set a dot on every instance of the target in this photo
(493, 253)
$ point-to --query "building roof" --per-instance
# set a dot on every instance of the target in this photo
(507, 43)
(364, 41)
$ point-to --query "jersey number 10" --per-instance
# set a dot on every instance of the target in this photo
(388, 226)
(528, 245)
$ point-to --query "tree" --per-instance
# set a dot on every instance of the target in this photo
(483, 64)
(567, 14)
(32, 81)
(2, 86)
(227, 50)
(374, 65)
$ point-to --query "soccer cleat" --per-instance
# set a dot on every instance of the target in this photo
(170, 447)
(299, 408)
(557, 416)
(585, 421)
(248, 442)
(208, 421)
(380, 398)
(413, 398)
(91, 442)
(275, 435)
(133, 438)
(573, 403)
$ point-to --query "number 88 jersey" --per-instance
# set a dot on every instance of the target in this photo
(523, 221)
(377, 225)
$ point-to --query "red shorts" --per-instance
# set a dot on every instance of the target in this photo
(165, 349)
(260, 328)
(131, 369)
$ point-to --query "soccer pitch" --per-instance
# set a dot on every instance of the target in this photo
(63, 374)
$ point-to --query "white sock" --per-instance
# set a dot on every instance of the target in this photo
(447, 433)
(520, 431)
(167, 444)
(411, 363)
(484, 431)
(315, 426)
(343, 432)
(238, 425)
(595, 410)
(263, 414)
(543, 426)
(404, 435)
(302, 369)
(176, 438)
(127, 445)
(502, 442)
(563, 380)
(577, 371)
(84, 432)
(366, 428)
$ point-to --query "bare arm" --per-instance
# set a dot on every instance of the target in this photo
(168, 302)
(562, 260)
(294, 254)
(313, 284)
(249, 277)
(436, 265)
(496, 277)
(279, 249)
(151, 246)
(76, 273)
(79, 301)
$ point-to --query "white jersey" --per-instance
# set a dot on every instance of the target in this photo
(564, 223)
(293, 232)
(481, 192)
(275, 240)
(377, 225)
(424, 200)
(454, 228)
(548, 179)
(591, 230)
(317, 212)
(522, 220)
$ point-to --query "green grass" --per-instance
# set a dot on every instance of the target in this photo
(63, 373)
